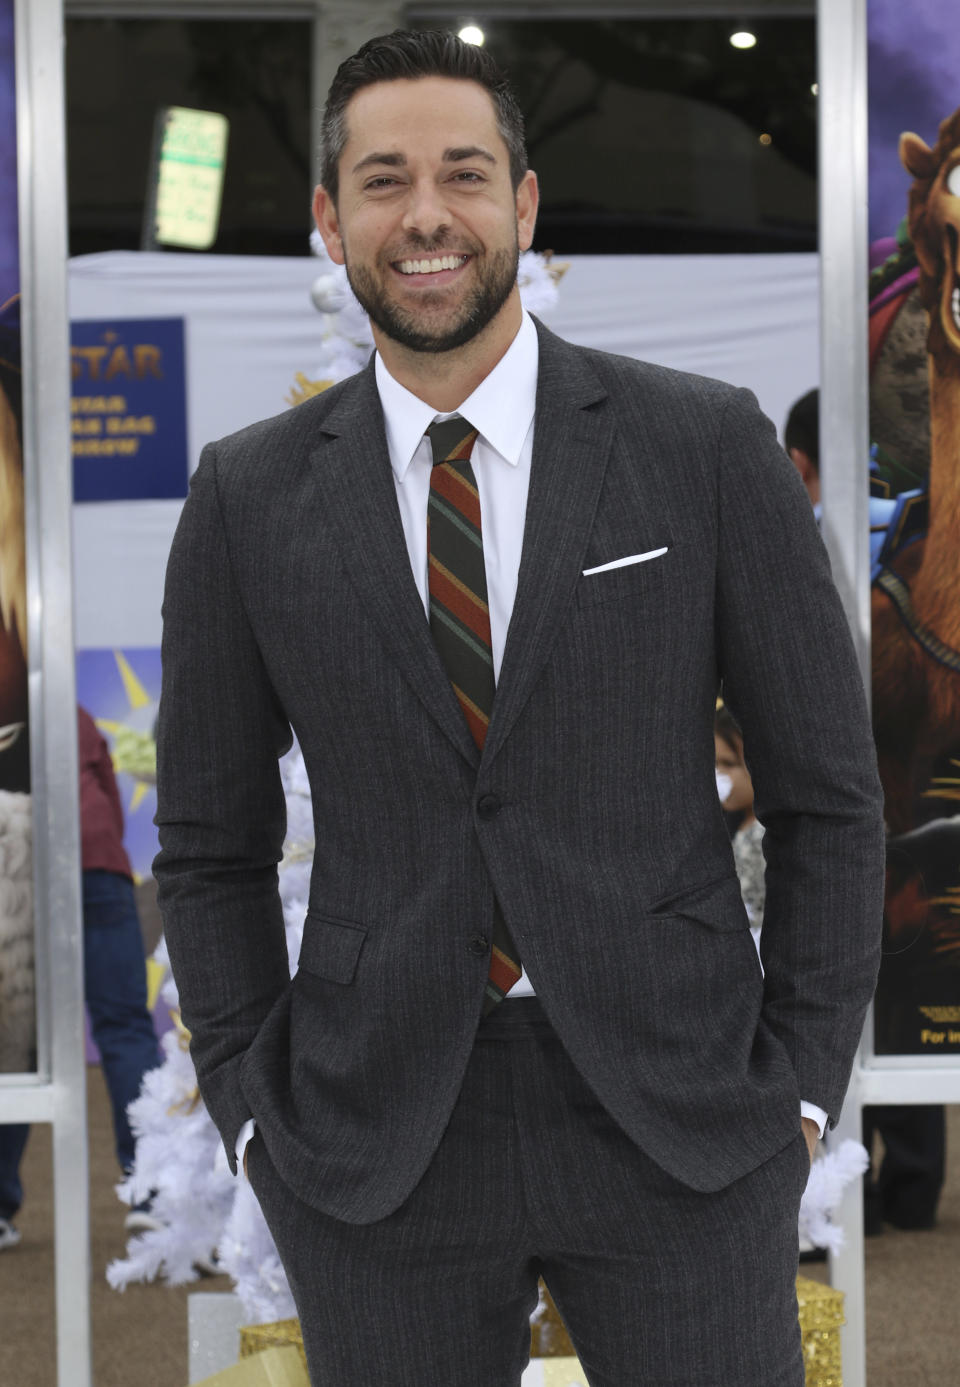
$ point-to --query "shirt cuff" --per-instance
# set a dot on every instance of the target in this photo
(806, 1110)
(243, 1136)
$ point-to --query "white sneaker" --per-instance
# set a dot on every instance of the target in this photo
(9, 1236)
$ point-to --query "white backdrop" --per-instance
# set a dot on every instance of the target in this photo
(250, 327)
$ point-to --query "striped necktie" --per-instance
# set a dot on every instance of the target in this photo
(460, 622)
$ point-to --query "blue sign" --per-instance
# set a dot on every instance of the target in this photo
(129, 409)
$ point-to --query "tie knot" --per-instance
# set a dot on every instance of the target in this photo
(451, 439)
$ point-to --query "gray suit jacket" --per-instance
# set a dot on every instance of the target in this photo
(592, 812)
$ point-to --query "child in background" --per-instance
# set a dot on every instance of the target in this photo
(735, 789)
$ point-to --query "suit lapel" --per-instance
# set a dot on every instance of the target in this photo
(573, 434)
(352, 471)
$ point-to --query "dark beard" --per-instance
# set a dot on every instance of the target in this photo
(483, 305)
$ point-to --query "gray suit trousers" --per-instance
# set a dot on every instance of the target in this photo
(659, 1285)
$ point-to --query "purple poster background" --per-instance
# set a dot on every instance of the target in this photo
(914, 339)
(18, 1034)
(914, 77)
(9, 259)
(14, 741)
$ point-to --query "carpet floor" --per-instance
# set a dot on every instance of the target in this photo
(140, 1336)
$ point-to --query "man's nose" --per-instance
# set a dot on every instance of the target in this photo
(426, 212)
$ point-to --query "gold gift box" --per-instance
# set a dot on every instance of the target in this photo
(820, 1310)
(254, 1338)
(274, 1367)
(821, 1315)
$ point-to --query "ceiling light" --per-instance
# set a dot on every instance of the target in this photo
(743, 39)
(471, 34)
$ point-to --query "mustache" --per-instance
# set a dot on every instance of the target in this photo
(429, 245)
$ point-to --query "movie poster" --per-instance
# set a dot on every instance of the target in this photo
(914, 111)
(128, 419)
(17, 1004)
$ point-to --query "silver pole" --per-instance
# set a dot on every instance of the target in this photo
(844, 444)
(41, 154)
(844, 431)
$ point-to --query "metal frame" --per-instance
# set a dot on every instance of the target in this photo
(57, 1092)
(844, 434)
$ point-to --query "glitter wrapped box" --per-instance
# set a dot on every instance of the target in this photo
(274, 1367)
(254, 1338)
(821, 1315)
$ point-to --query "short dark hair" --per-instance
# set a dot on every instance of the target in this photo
(728, 729)
(803, 426)
(411, 54)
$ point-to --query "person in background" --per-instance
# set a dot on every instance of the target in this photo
(114, 971)
(801, 439)
(736, 795)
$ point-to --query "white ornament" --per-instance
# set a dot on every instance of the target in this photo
(328, 294)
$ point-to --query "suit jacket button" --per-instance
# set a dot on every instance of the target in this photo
(479, 944)
(488, 807)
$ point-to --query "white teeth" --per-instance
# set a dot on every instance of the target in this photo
(955, 305)
(434, 266)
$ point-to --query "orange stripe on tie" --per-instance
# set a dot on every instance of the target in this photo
(438, 567)
(477, 721)
(503, 971)
(457, 600)
(457, 490)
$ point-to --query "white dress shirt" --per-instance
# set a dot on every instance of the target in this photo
(501, 409)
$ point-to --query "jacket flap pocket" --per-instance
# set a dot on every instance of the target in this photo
(717, 904)
(331, 948)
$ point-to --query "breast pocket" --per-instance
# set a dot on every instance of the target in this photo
(630, 582)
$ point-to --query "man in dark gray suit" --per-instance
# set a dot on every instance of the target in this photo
(603, 542)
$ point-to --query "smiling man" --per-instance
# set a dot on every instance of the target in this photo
(493, 583)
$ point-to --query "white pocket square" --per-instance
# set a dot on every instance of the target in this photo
(622, 563)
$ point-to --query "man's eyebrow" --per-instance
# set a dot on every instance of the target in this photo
(394, 161)
(470, 151)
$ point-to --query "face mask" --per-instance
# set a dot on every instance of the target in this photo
(724, 785)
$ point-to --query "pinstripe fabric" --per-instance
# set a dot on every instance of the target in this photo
(294, 603)
(460, 622)
(658, 1286)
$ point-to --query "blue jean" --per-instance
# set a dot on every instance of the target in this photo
(13, 1139)
(115, 987)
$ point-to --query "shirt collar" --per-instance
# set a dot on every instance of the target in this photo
(501, 408)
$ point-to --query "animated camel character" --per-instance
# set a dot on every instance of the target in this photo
(916, 612)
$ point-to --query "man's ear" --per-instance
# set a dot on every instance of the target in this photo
(328, 224)
(528, 200)
(802, 462)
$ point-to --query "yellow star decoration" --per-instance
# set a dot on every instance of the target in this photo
(305, 388)
(133, 751)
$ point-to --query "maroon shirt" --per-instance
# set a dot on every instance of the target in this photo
(101, 818)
